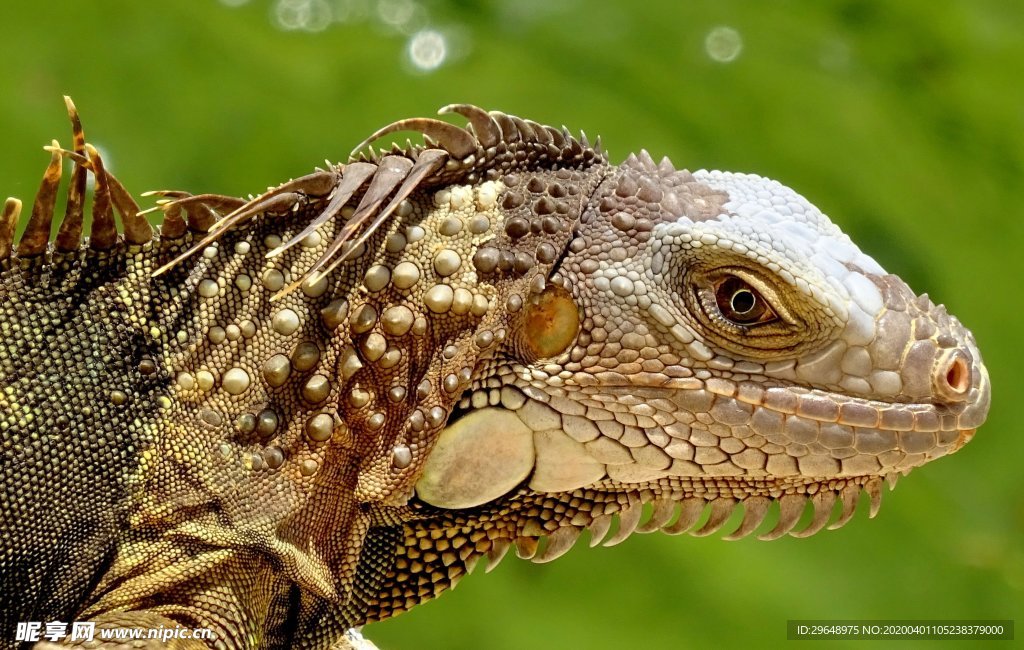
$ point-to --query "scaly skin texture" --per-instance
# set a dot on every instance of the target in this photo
(327, 407)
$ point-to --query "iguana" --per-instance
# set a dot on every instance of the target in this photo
(280, 418)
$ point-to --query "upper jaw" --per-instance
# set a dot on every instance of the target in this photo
(810, 432)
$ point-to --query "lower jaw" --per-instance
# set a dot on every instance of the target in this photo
(548, 525)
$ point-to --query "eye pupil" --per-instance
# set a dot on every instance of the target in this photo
(742, 301)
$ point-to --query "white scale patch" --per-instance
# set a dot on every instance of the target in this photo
(763, 204)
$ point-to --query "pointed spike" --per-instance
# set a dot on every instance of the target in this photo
(37, 232)
(526, 547)
(573, 149)
(628, 519)
(665, 167)
(137, 229)
(471, 562)
(557, 137)
(583, 140)
(522, 128)
(791, 507)
(509, 132)
(531, 131)
(597, 145)
(538, 133)
(69, 235)
(559, 543)
(824, 501)
(598, 529)
(104, 229)
(874, 489)
(352, 178)
(8, 223)
(890, 479)
(647, 161)
(457, 142)
(689, 512)
(721, 509)
(660, 515)
(499, 548)
(78, 134)
(754, 510)
(849, 495)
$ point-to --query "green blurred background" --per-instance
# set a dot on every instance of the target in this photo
(903, 121)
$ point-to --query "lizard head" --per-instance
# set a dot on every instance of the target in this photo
(708, 339)
(745, 304)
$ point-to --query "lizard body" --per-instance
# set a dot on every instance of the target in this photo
(284, 417)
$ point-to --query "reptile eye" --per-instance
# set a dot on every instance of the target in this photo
(740, 303)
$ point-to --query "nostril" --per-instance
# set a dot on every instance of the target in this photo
(958, 376)
(953, 376)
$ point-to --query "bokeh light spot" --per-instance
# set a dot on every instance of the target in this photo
(428, 49)
(723, 44)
